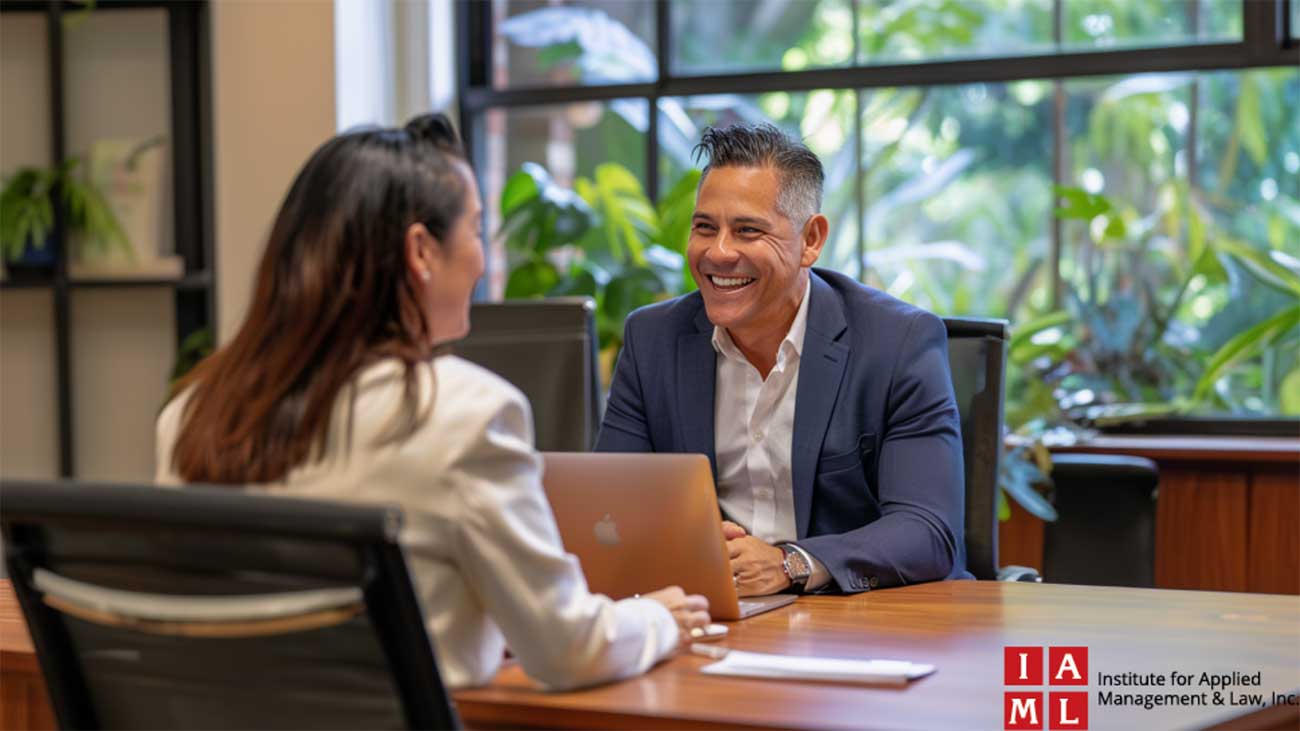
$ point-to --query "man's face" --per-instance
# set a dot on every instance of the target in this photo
(745, 255)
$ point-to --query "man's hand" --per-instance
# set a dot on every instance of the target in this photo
(758, 567)
(731, 530)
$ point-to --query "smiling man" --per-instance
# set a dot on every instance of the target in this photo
(826, 407)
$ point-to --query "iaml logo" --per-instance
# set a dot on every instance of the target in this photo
(1025, 708)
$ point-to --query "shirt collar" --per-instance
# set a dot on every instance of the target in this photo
(793, 340)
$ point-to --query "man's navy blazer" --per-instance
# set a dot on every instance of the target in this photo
(877, 456)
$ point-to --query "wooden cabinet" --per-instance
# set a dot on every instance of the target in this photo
(1227, 512)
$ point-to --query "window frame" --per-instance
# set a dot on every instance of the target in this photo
(1267, 41)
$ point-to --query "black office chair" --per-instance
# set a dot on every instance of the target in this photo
(547, 349)
(215, 608)
(1105, 532)
(977, 356)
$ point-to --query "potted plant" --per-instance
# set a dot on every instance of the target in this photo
(27, 214)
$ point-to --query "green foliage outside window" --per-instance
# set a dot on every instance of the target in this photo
(1179, 222)
(604, 239)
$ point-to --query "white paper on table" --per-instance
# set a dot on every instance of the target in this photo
(797, 667)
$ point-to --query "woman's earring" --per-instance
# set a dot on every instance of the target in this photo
(426, 275)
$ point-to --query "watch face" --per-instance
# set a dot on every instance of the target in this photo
(798, 565)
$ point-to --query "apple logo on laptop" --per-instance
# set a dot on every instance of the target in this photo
(607, 531)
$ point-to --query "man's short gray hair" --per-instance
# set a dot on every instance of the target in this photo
(762, 145)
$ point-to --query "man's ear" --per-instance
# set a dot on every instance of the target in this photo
(420, 246)
(815, 232)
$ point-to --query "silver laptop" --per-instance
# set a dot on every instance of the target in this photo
(640, 522)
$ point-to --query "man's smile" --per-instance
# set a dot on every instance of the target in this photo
(730, 284)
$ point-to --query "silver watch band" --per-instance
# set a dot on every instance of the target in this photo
(801, 579)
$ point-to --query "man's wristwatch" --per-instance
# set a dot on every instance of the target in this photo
(796, 566)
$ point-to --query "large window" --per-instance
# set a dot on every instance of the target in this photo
(1123, 177)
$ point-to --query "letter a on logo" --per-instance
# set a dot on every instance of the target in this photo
(1067, 665)
(1022, 665)
(1022, 710)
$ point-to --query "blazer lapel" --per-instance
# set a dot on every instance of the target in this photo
(696, 373)
(821, 369)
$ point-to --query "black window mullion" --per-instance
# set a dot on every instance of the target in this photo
(932, 73)
(1055, 226)
(1196, 20)
(472, 30)
(1263, 28)
(663, 56)
(860, 186)
(474, 35)
(859, 176)
(480, 98)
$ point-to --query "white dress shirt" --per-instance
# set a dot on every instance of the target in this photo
(753, 436)
(479, 536)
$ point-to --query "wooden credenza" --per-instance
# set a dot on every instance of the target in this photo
(1227, 512)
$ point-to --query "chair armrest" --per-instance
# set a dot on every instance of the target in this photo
(1104, 469)
(1019, 573)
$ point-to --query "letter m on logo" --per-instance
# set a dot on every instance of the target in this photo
(1022, 710)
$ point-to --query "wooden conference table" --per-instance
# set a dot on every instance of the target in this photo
(959, 626)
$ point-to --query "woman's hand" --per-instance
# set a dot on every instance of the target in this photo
(689, 610)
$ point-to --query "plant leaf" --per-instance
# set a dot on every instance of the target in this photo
(551, 56)
(1263, 266)
(675, 211)
(1080, 204)
(580, 282)
(1246, 345)
(629, 290)
(522, 187)
(1289, 393)
(1024, 332)
(1017, 477)
(533, 278)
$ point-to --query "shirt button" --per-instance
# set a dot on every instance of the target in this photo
(873, 582)
(758, 436)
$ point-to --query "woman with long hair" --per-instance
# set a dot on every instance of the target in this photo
(331, 389)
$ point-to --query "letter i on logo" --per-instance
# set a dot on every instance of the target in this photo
(1022, 666)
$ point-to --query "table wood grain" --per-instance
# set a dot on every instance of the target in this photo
(960, 626)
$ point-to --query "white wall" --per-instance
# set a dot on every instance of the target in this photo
(273, 88)
(122, 340)
(29, 444)
(117, 84)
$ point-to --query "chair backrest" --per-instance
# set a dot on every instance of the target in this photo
(977, 355)
(547, 349)
(218, 608)
(1106, 530)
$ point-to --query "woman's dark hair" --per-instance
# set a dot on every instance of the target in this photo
(332, 295)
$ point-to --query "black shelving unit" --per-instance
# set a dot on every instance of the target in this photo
(191, 155)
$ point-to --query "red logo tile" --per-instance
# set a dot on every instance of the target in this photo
(1022, 666)
(1021, 710)
(1067, 666)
